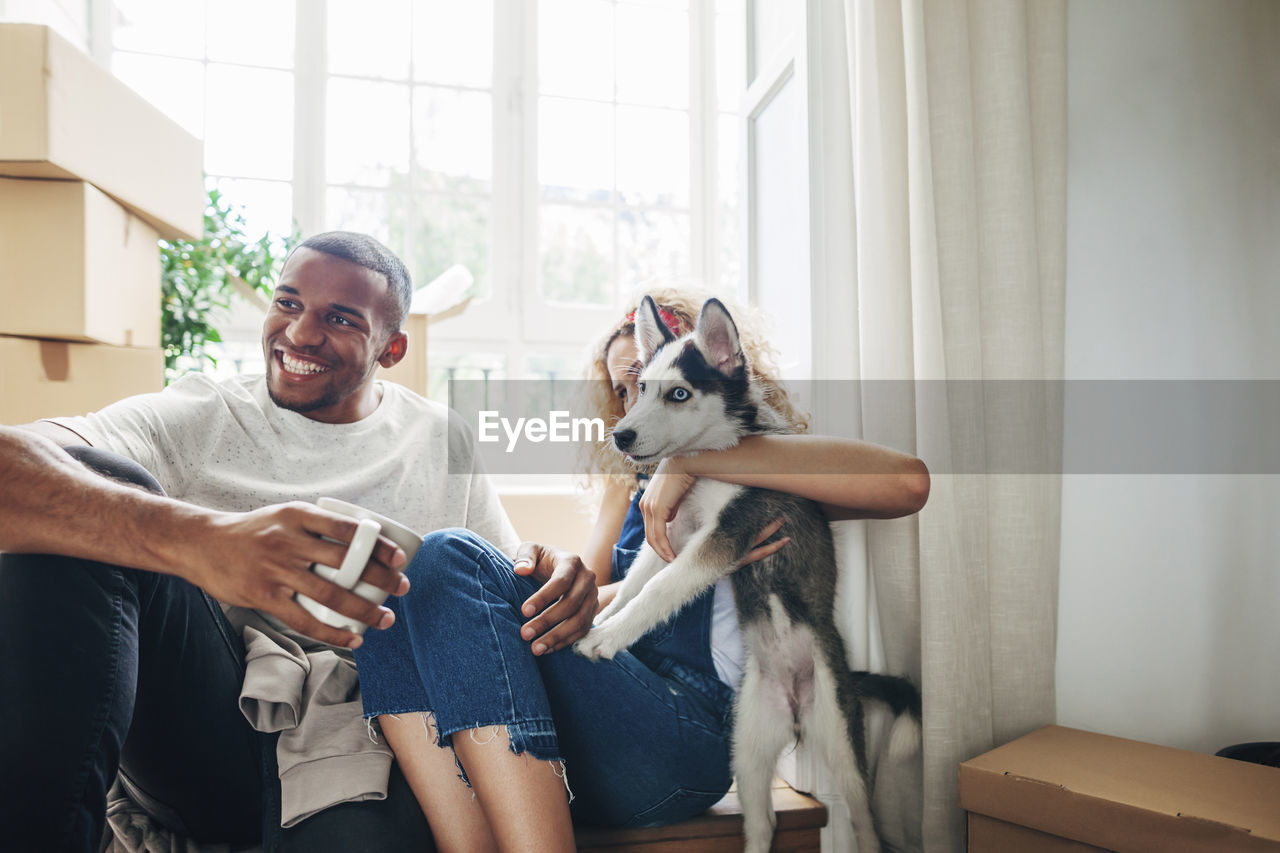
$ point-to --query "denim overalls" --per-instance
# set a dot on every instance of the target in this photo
(644, 737)
(683, 643)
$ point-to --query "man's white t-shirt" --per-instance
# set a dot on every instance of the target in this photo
(224, 445)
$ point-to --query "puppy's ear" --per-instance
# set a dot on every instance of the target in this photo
(717, 338)
(651, 332)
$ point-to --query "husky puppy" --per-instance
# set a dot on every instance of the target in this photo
(696, 393)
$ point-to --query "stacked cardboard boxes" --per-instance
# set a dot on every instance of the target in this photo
(91, 176)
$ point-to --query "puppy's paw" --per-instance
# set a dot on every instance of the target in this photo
(589, 646)
(599, 643)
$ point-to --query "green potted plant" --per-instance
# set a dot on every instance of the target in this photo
(200, 277)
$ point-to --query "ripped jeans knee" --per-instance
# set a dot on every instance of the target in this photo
(480, 736)
(457, 637)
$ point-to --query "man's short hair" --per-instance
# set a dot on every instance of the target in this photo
(362, 250)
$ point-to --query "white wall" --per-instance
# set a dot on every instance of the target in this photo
(1170, 592)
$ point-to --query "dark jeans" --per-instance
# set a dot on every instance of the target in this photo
(106, 668)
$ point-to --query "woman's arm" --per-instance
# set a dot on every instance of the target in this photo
(850, 478)
(853, 479)
(598, 553)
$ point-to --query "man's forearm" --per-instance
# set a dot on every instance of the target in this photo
(49, 503)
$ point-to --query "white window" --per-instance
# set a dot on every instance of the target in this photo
(225, 71)
(566, 152)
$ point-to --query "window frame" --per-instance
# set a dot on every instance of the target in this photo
(514, 321)
(524, 323)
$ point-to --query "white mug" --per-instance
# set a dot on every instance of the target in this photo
(369, 526)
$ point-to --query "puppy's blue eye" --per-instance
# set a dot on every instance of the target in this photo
(678, 395)
(640, 385)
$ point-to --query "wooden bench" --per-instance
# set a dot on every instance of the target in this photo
(800, 819)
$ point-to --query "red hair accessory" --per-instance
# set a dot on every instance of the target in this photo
(672, 321)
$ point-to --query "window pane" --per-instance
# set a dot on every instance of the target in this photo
(653, 247)
(653, 56)
(575, 150)
(576, 254)
(453, 138)
(653, 156)
(267, 206)
(447, 230)
(367, 211)
(729, 212)
(369, 38)
(69, 20)
(360, 149)
(453, 42)
(554, 366)
(250, 123)
(169, 27)
(252, 32)
(534, 391)
(773, 22)
(575, 48)
(731, 53)
(175, 86)
(468, 370)
(237, 354)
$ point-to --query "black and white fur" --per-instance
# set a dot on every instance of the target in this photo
(695, 394)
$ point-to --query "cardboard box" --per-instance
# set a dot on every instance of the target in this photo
(66, 117)
(74, 265)
(45, 379)
(1061, 789)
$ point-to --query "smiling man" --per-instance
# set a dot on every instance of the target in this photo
(335, 317)
(118, 655)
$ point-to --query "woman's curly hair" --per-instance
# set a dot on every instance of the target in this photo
(601, 461)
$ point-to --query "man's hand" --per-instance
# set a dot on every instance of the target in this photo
(563, 608)
(260, 559)
(51, 504)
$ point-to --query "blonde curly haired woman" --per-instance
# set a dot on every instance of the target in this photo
(850, 479)
(643, 738)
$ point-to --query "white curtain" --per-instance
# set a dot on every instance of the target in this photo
(959, 148)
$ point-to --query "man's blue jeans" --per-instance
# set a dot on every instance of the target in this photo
(642, 743)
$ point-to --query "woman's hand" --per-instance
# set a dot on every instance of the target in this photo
(761, 551)
(563, 608)
(667, 488)
(661, 500)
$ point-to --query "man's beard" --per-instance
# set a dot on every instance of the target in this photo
(333, 397)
